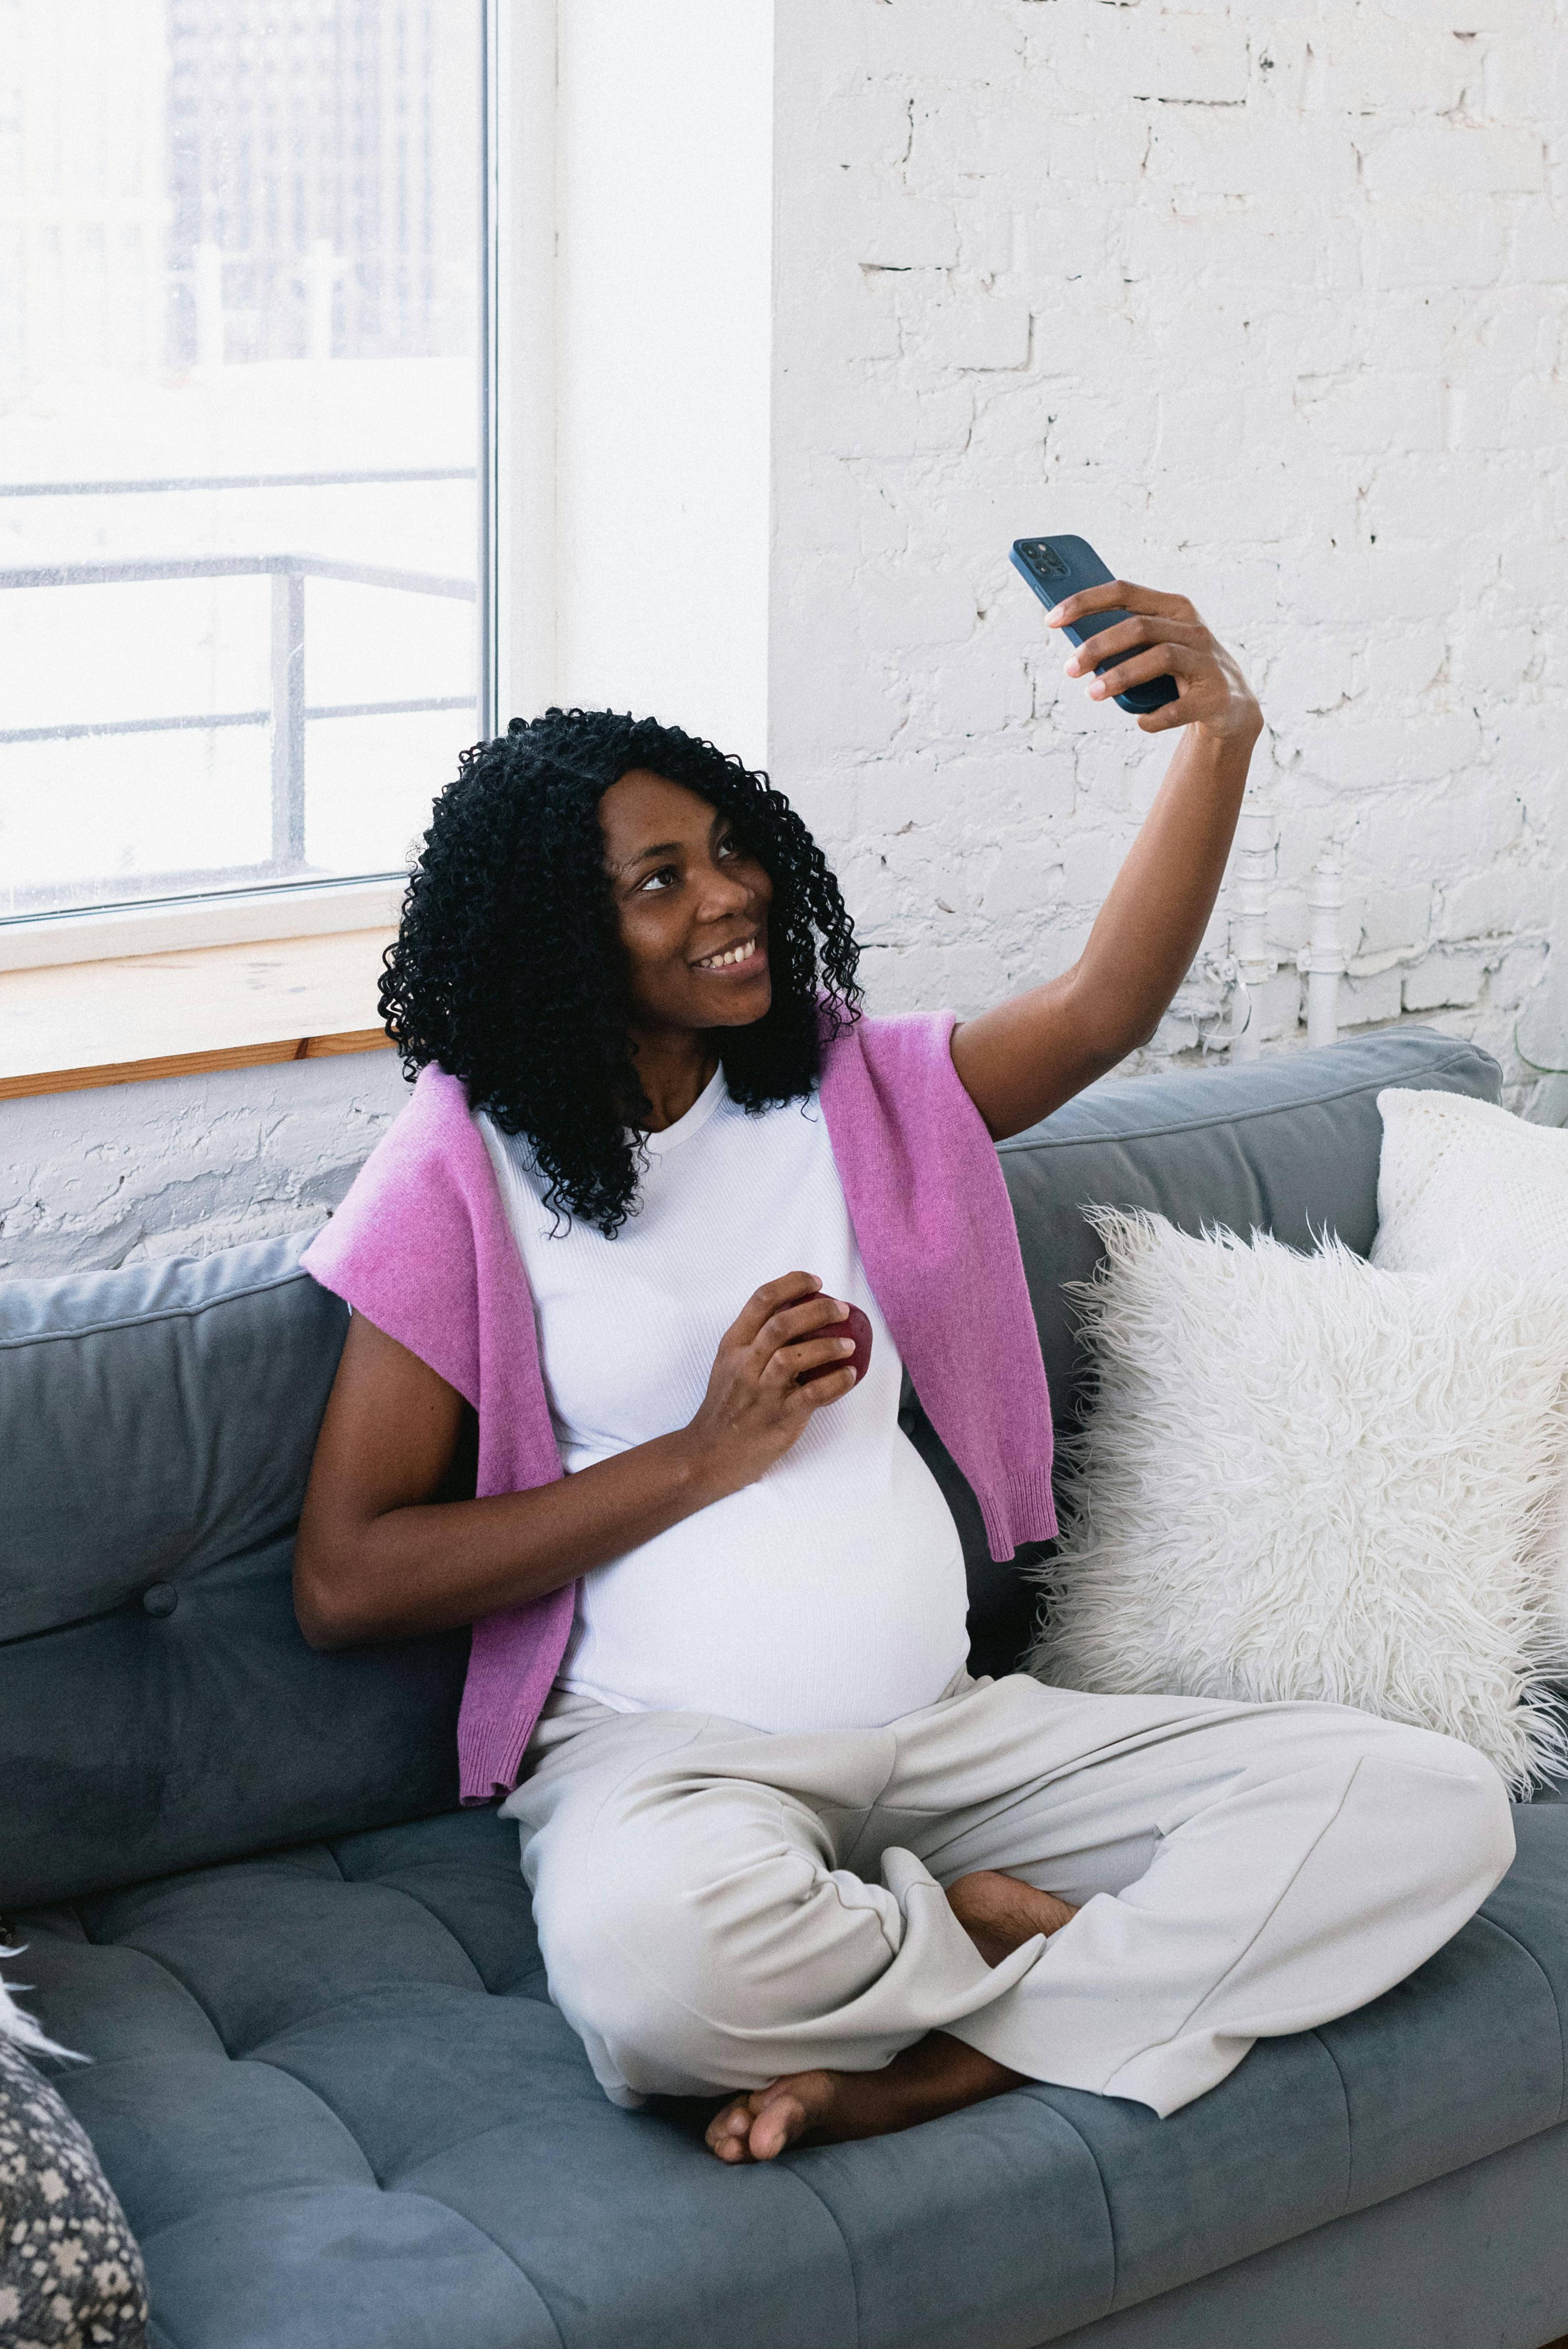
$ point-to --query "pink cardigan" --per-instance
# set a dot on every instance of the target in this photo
(422, 1247)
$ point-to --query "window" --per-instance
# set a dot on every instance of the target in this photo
(240, 462)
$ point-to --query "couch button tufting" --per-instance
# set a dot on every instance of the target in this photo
(161, 1598)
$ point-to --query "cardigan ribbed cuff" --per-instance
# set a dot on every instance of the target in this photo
(489, 1759)
(1019, 1509)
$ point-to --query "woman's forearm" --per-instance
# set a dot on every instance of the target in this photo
(1153, 922)
(1024, 1058)
(431, 1565)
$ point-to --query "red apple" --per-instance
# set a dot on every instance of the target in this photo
(858, 1328)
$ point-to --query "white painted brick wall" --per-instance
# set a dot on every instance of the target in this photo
(1272, 309)
(92, 1180)
(1269, 307)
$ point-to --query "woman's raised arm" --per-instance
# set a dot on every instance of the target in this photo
(1024, 1058)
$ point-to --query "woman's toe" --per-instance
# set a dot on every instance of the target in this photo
(778, 2124)
(729, 2131)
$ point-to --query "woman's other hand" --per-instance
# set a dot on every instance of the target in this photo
(1164, 637)
(755, 1407)
(391, 1541)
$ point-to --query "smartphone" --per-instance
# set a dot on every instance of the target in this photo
(1057, 567)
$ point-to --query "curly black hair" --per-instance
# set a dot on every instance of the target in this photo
(509, 971)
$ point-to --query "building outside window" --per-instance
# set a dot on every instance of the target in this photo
(240, 440)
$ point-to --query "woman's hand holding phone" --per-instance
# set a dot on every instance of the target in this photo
(1162, 637)
(1022, 1059)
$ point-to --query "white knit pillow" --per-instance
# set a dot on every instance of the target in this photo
(1459, 1182)
(1462, 1183)
(1305, 1477)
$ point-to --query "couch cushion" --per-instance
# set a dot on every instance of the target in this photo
(338, 2107)
(160, 1706)
(154, 1423)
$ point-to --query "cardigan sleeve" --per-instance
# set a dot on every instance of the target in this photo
(937, 1236)
(421, 1248)
(401, 1249)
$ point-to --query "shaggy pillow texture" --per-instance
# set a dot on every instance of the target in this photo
(1461, 1183)
(1304, 1478)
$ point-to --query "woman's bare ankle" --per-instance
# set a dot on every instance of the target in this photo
(1000, 1913)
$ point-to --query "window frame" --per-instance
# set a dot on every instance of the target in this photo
(364, 901)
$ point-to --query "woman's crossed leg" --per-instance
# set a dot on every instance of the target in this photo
(858, 1930)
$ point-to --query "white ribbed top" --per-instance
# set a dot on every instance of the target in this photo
(830, 1594)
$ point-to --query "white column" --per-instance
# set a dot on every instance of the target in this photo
(1255, 841)
(1323, 961)
(521, 202)
(664, 279)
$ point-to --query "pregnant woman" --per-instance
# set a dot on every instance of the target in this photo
(598, 1399)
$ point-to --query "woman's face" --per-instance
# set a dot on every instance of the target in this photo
(686, 894)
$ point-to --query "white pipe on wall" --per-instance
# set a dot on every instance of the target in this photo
(1255, 840)
(1323, 961)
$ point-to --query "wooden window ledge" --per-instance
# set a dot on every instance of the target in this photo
(75, 1024)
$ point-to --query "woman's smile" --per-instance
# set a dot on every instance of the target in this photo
(746, 955)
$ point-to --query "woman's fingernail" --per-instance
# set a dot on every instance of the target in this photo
(1097, 690)
(1053, 617)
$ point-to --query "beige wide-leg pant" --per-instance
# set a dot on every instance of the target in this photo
(718, 1906)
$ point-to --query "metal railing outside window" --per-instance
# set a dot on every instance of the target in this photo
(287, 713)
(268, 239)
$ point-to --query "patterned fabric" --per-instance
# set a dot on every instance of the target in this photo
(70, 2273)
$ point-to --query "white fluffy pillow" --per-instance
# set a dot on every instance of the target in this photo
(21, 2028)
(1307, 1478)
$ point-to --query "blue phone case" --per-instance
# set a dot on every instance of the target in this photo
(1056, 567)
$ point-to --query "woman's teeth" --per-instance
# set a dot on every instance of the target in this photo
(737, 954)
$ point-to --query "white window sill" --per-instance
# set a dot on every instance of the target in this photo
(67, 1026)
(239, 919)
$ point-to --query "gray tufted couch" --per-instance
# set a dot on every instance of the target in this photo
(328, 2083)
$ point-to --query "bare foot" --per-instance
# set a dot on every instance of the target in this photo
(1000, 1913)
(937, 2075)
